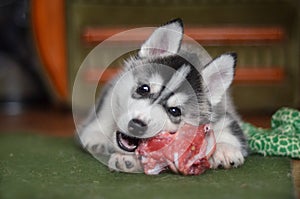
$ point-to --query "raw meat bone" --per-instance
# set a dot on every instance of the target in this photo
(187, 151)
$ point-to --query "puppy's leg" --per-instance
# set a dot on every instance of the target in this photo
(125, 163)
(226, 156)
(231, 147)
(92, 139)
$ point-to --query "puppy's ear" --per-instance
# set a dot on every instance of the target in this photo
(164, 41)
(218, 76)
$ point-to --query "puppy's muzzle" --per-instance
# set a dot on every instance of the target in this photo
(137, 127)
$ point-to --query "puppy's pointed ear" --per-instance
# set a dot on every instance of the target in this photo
(218, 75)
(164, 41)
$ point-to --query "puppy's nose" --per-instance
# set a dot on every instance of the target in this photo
(137, 127)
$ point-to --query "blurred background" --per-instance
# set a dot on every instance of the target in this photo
(43, 43)
(21, 79)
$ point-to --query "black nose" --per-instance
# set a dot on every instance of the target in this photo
(137, 127)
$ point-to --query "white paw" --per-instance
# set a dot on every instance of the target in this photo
(226, 156)
(125, 163)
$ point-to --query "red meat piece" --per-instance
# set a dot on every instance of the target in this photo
(187, 151)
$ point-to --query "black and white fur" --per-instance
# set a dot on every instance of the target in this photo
(162, 87)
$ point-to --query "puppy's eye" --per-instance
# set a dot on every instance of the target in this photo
(174, 111)
(143, 90)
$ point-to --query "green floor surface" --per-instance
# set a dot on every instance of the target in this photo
(45, 167)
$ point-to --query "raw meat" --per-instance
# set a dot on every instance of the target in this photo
(185, 151)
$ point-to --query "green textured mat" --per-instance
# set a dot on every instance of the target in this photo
(35, 166)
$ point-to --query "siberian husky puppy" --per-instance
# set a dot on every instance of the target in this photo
(159, 89)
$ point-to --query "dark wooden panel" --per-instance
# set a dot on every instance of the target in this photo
(204, 35)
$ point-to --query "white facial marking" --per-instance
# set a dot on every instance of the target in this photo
(177, 79)
(156, 83)
(177, 100)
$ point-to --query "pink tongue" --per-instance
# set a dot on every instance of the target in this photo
(186, 151)
(127, 144)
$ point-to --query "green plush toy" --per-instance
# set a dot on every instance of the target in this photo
(283, 139)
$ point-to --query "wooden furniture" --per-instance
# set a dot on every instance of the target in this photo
(49, 27)
(265, 34)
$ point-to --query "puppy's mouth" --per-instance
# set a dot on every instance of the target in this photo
(127, 143)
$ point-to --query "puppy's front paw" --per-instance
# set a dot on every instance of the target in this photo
(226, 156)
(125, 163)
